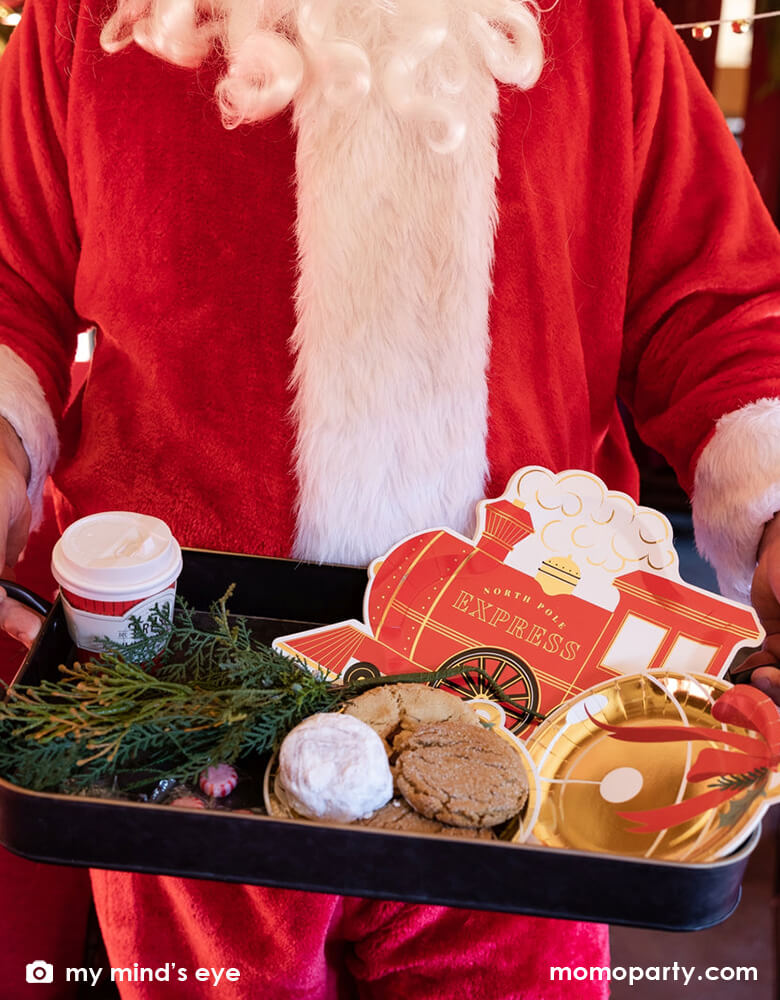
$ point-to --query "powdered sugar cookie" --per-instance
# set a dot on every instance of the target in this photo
(334, 767)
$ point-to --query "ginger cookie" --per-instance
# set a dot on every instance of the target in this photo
(378, 709)
(397, 814)
(398, 707)
(460, 775)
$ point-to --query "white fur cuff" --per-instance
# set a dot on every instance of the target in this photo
(736, 491)
(24, 406)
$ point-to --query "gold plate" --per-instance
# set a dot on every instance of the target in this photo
(274, 795)
(586, 778)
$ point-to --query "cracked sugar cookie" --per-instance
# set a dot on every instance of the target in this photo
(459, 774)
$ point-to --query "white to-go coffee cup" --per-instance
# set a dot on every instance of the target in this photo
(112, 567)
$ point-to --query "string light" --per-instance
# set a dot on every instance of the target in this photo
(701, 30)
(9, 18)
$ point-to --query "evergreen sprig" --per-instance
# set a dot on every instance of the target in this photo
(212, 694)
(741, 781)
(749, 785)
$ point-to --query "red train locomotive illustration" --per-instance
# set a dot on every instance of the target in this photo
(438, 598)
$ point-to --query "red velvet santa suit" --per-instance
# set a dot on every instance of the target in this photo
(632, 258)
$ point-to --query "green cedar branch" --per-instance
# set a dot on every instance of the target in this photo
(143, 712)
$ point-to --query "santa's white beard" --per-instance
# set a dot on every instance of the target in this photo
(396, 248)
(396, 220)
(395, 112)
(420, 54)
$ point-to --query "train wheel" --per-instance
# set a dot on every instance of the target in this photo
(506, 669)
(362, 671)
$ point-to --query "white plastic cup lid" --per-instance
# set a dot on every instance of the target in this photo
(116, 556)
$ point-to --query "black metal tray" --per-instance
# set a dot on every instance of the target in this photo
(282, 596)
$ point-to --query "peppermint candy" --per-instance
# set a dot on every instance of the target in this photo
(218, 781)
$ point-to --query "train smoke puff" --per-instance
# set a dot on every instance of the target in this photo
(574, 515)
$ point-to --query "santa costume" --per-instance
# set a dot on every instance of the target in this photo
(436, 242)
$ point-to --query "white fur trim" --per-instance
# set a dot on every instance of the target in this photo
(396, 249)
(24, 406)
(736, 491)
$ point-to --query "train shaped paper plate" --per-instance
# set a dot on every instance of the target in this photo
(569, 597)
(563, 585)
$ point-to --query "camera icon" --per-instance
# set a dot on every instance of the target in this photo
(39, 972)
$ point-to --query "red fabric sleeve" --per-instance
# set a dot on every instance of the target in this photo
(39, 245)
(702, 332)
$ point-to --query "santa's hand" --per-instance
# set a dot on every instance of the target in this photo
(765, 596)
(15, 514)
(17, 620)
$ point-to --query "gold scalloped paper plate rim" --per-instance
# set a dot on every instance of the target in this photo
(700, 839)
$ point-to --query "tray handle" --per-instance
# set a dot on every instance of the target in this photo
(740, 670)
(27, 597)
